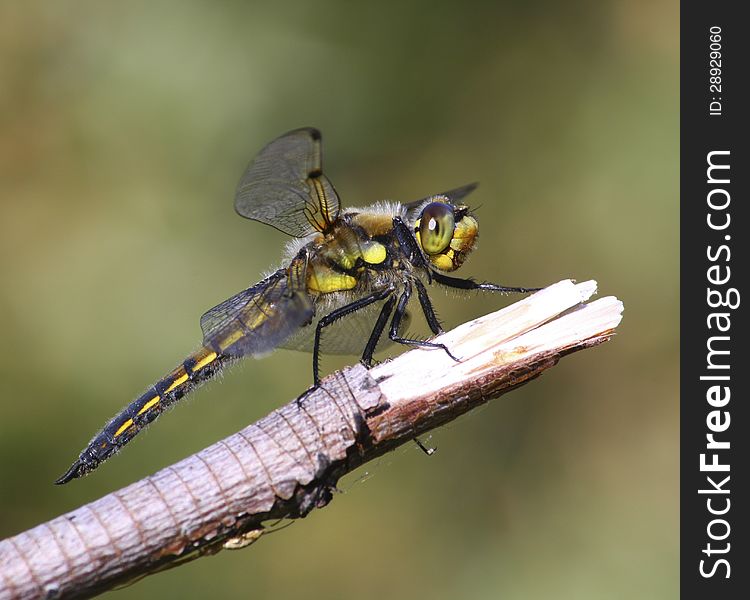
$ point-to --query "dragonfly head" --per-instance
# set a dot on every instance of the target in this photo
(446, 233)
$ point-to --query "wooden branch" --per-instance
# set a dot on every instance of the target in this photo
(288, 463)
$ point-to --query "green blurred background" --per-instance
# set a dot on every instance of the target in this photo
(124, 128)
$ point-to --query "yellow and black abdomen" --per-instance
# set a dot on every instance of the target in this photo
(199, 367)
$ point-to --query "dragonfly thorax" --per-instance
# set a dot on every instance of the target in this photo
(338, 261)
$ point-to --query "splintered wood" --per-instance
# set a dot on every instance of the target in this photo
(288, 463)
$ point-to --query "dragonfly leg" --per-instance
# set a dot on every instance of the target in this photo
(470, 284)
(377, 331)
(396, 322)
(337, 314)
(428, 451)
(427, 309)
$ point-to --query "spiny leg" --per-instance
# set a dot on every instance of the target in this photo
(470, 284)
(337, 314)
(423, 448)
(431, 319)
(377, 331)
(429, 312)
(396, 322)
(434, 323)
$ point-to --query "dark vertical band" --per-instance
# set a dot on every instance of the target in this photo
(714, 196)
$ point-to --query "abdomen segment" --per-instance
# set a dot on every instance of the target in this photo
(200, 366)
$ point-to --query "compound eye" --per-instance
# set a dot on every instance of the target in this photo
(436, 227)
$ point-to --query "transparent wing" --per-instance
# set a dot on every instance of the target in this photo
(258, 319)
(455, 196)
(347, 336)
(285, 187)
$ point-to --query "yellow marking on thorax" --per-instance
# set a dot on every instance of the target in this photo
(347, 261)
(373, 253)
(149, 404)
(324, 280)
(126, 425)
(207, 360)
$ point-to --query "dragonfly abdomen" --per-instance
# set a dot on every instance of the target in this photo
(200, 366)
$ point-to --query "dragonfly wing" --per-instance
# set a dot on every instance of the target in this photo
(347, 336)
(258, 319)
(285, 187)
(455, 196)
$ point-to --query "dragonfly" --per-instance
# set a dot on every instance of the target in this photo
(340, 266)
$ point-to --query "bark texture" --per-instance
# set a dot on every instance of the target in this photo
(288, 463)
